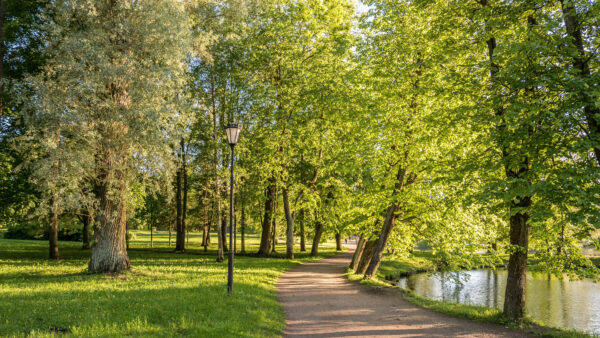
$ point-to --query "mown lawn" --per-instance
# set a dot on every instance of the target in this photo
(165, 294)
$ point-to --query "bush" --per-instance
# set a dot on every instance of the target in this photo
(36, 231)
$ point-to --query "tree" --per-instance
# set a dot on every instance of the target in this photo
(181, 198)
(113, 84)
(21, 53)
(528, 142)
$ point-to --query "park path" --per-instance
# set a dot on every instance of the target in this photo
(319, 301)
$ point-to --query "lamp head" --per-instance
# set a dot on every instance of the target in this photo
(233, 133)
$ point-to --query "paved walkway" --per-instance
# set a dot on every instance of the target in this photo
(320, 301)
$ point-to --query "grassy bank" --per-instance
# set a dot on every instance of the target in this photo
(419, 261)
(165, 294)
(423, 261)
(489, 315)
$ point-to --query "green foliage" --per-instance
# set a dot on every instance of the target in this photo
(71, 231)
(24, 53)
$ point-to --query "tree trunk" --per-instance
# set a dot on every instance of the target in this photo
(514, 299)
(182, 201)
(581, 63)
(86, 219)
(234, 227)
(170, 226)
(53, 231)
(126, 235)
(243, 225)
(205, 235)
(206, 227)
(224, 231)
(151, 237)
(302, 235)
(220, 251)
(265, 237)
(388, 225)
(314, 251)
(289, 241)
(220, 255)
(366, 257)
(178, 212)
(338, 241)
(109, 253)
(274, 229)
(357, 253)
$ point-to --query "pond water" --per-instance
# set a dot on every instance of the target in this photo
(559, 303)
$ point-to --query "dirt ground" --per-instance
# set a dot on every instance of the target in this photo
(319, 301)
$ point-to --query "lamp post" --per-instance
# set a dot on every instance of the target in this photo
(233, 133)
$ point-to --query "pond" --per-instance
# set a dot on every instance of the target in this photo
(559, 303)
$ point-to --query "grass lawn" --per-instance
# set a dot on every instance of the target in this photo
(165, 294)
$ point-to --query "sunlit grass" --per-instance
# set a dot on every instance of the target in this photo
(419, 261)
(423, 261)
(165, 294)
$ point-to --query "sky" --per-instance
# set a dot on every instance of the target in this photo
(360, 7)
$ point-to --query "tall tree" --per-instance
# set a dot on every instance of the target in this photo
(21, 54)
(111, 84)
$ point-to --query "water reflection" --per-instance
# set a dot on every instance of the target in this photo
(555, 302)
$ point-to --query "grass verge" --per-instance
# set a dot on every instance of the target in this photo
(423, 261)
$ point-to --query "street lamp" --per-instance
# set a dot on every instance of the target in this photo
(233, 133)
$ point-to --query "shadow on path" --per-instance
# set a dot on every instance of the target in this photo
(319, 301)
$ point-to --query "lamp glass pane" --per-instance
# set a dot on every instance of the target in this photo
(230, 136)
(237, 134)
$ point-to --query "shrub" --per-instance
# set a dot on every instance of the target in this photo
(70, 231)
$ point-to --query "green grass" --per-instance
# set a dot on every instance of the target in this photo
(419, 261)
(488, 315)
(165, 294)
(423, 261)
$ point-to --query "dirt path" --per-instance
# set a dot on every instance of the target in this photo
(319, 301)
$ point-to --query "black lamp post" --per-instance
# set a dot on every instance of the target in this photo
(233, 133)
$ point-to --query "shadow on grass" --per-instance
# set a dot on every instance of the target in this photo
(164, 294)
(165, 309)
